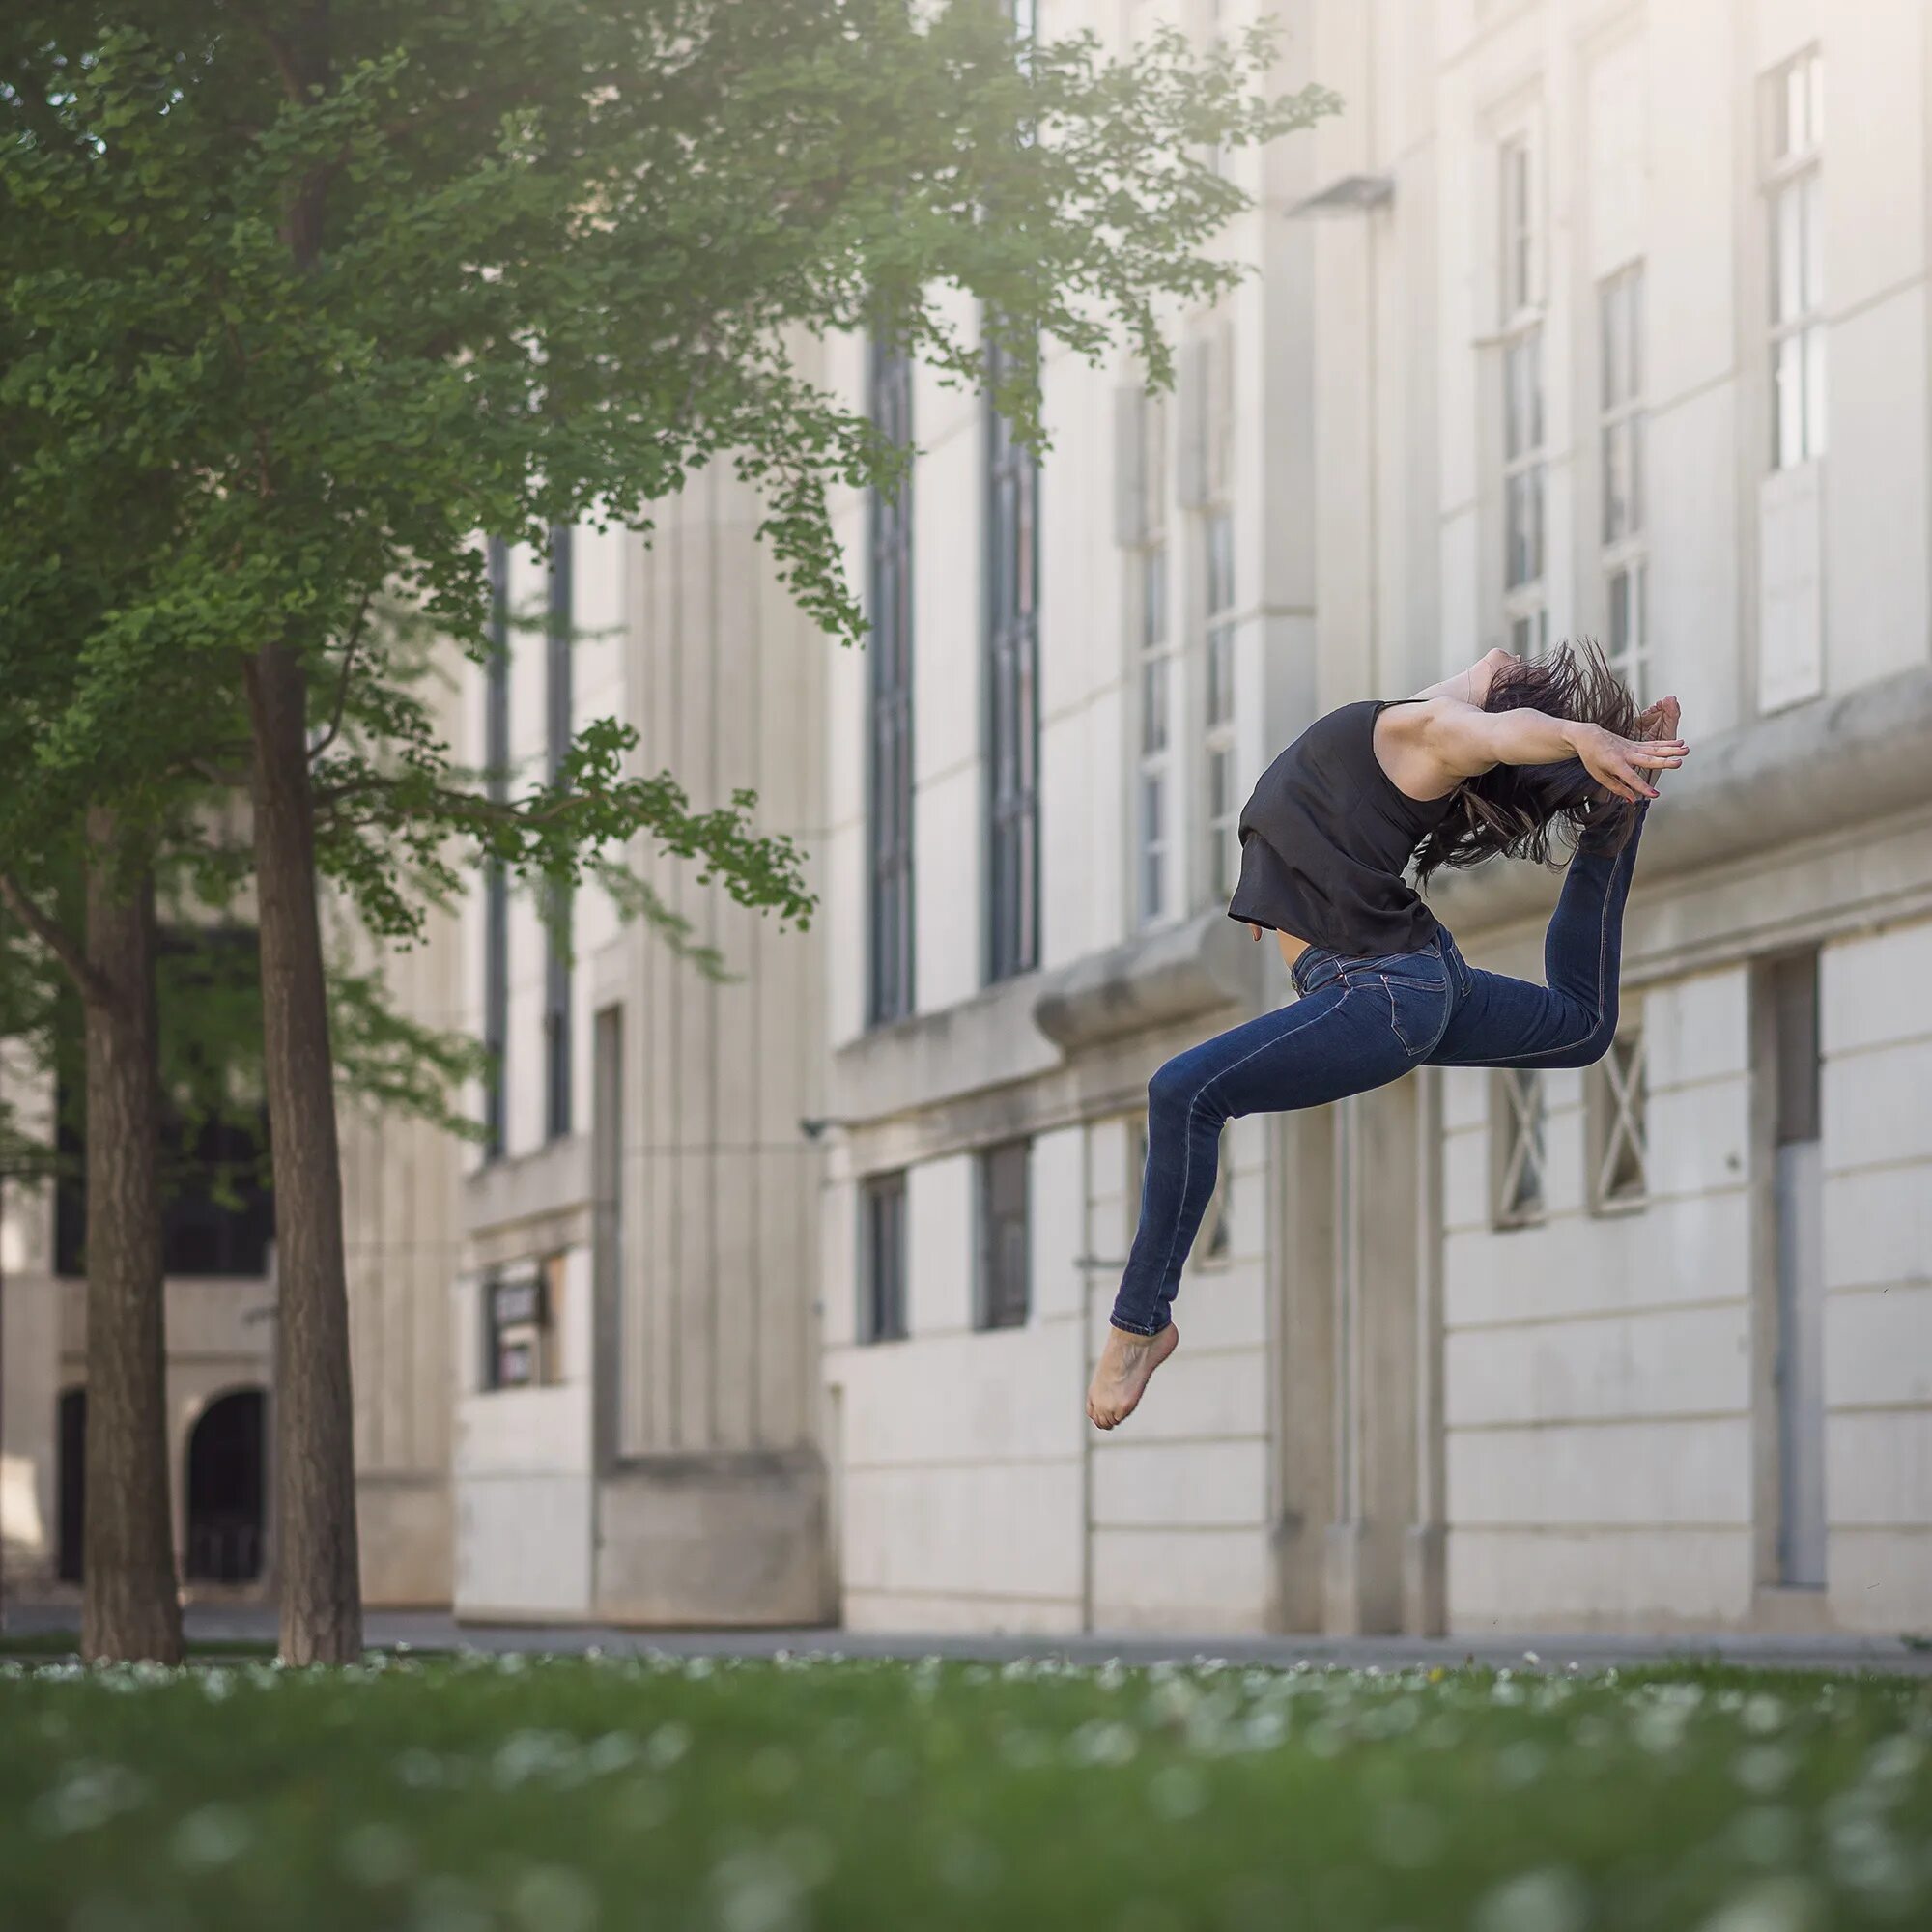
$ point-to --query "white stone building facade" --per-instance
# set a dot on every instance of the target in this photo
(1580, 319)
(1583, 317)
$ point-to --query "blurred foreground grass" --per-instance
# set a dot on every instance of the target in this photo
(465, 1793)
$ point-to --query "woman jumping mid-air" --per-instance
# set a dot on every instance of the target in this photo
(1486, 762)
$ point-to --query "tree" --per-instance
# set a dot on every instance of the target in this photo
(363, 280)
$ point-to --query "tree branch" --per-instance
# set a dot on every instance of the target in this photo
(55, 937)
(329, 736)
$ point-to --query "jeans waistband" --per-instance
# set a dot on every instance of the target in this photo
(1310, 963)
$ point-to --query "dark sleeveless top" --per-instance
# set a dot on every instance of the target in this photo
(1326, 838)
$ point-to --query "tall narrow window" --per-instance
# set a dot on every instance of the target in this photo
(883, 1257)
(1620, 351)
(1003, 1213)
(1794, 125)
(1206, 487)
(1143, 532)
(1619, 1134)
(1218, 706)
(1516, 1142)
(888, 802)
(1524, 610)
(556, 966)
(1012, 692)
(495, 883)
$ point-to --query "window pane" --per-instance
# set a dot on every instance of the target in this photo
(1618, 482)
(1515, 398)
(1809, 197)
(1787, 252)
(1615, 344)
(1221, 573)
(1633, 435)
(1153, 706)
(1220, 783)
(1524, 532)
(1633, 332)
(1788, 402)
(1153, 885)
(1153, 597)
(1814, 390)
(1220, 674)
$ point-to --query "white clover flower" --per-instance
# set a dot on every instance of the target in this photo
(1103, 1741)
(1772, 1905)
(215, 1835)
(1764, 1769)
(614, 1751)
(554, 1899)
(757, 1892)
(666, 1745)
(1551, 1899)
(88, 1795)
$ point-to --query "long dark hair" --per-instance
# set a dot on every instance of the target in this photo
(1515, 808)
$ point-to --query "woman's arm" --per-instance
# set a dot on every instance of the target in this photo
(1432, 747)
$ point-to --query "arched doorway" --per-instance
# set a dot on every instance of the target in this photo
(226, 1491)
(71, 1483)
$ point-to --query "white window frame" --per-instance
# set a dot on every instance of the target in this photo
(1524, 427)
(1618, 1110)
(1207, 491)
(1793, 123)
(1157, 896)
(1621, 424)
(1221, 804)
(1518, 1147)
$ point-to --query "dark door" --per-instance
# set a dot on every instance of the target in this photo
(71, 1480)
(225, 1491)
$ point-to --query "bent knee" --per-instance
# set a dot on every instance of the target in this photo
(1594, 1044)
(1178, 1084)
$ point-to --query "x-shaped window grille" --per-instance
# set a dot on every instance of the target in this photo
(1520, 1117)
(1621, 1144)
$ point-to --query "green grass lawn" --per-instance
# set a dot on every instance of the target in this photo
(464, 1793)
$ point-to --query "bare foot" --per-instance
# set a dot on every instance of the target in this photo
(1658, 719)
(1121, 1373)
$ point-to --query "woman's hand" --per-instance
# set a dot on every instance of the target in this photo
(1254, 929)
(1618, 764)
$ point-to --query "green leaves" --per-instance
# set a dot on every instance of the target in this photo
(285, 325)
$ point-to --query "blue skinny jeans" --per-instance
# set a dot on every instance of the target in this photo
(1362, 1023)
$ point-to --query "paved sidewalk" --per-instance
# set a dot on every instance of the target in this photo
(426, 1630)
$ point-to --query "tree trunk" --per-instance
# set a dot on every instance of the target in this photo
(130, 1603)
(321, 1582)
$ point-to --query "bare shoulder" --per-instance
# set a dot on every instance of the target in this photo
(1419, 745)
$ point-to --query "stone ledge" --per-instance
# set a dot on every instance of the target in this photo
(987, 1040)
(549, 1180)
(1030, 1025)
(1203, 964)
(1813, 769)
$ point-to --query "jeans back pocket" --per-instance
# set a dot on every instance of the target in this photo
(1417, 987)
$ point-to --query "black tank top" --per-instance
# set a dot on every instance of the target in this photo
(1326, 838)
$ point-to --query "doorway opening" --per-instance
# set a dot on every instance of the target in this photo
(226, 1491)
